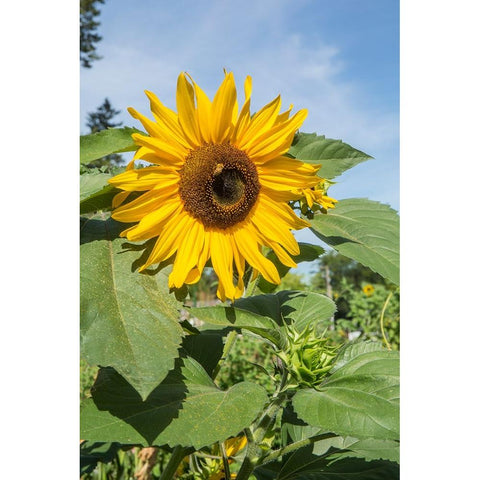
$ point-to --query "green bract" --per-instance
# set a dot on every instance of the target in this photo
(307, 358)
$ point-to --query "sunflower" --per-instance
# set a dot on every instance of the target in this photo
(368, 290)
(219, 186)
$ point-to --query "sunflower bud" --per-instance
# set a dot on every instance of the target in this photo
(307, 357)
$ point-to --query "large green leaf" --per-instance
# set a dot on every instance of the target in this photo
(303, 464)
(360, 399)
(302, 308)
(308, 253)
(351, 350)
(369, 449)
(295, 430)
(185, 409)
(112, 140)
(334, 155)
(364, 230)
(95, 192)
(220, 316)
(128, 320)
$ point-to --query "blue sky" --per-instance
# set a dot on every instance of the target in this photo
(339, 59)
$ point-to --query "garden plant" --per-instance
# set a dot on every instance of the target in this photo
(257, 384)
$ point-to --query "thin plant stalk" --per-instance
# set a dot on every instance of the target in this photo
(381, 320)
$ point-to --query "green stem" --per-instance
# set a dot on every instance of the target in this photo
(295, 446)
(178, 454)
(229, 342)
(251, 285)
(381, 320)
(249, 462)
(226, 467)
(268, 417)
(255, 438)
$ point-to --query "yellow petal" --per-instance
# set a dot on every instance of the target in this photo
(186, 111)
(165, 151)
(204, 113)
(188, 252)
(246, 239)
(279, 194)
(205, 253)
(222, 109)
(119, 198)
(248, 87)
(261, 122)
(143, 205)
(193, 276)
(144, 179)
(283, 212)
(241, 125)
(283, 117)
(168, 239)
(275, 141)
(281, 254)
(222, 258)
(274, 230)
(240, 266)
(285, 173)
(152, 128)
(167, 119)
(152, 224)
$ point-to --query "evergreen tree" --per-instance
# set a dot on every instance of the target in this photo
(88, 36)
(101, 120)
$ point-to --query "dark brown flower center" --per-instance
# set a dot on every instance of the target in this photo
(218, 185)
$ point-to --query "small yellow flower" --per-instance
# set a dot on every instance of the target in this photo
(368, 290)
(232, 447)
(218, 186)
(318, 195)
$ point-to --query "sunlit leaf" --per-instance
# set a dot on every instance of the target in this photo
(364, 230)
(361, 399)
(128, 320)
(106, 142)
(301, 308)
(185, 409)
(221, 316)
(335, 156)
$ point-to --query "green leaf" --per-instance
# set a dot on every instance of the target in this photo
(308, 253)
(302, 308)
(370, 449)
(360, 399)
(112, 140)
(364, 230)
(221, 316)
(127, 320)
(303, 464)
(351, 350)
(95, 192)
(185, 409)
(92, 183)
(335, 156)
(92, 453)
(205, 348)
